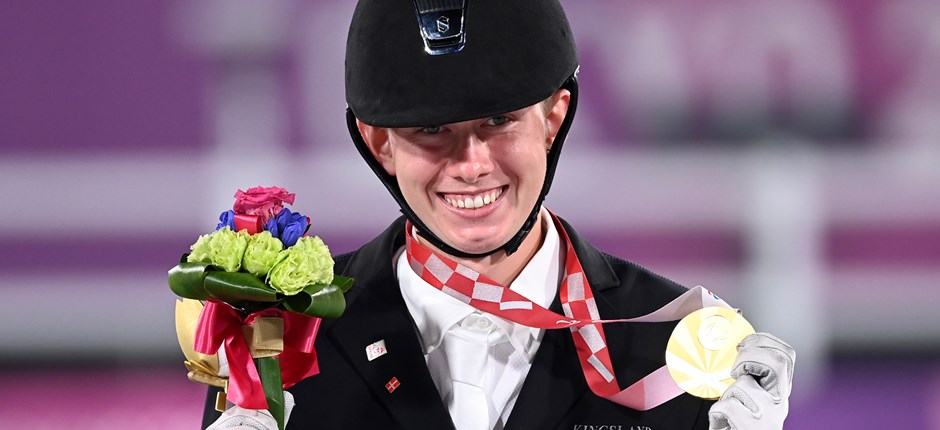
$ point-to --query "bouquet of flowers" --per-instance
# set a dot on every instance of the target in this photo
(265, 285)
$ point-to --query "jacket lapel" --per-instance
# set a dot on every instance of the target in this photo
(555, 381)
(376, 313)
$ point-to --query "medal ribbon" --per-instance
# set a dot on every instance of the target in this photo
(581, 317)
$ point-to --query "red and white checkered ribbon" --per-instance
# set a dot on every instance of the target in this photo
(581, 317)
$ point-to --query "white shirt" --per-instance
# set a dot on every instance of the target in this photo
(438, 315)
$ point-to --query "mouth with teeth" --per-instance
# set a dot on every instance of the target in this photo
(473, 201)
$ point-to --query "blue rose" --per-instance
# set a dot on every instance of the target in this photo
(288, 226)
(226, 219)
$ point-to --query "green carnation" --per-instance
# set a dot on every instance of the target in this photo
(223, 248)
(261, 254)
(200, 250)
(306, 263)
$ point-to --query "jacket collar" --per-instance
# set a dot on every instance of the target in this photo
(596, 268)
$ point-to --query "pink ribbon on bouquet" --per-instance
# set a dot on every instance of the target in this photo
(250, 223)
(221, 325)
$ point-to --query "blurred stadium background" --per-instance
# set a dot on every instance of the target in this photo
(784, 154)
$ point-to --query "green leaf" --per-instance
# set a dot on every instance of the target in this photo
(319, 300)
(187, 280)
(269, 369)
(234, 287)
(343, 282)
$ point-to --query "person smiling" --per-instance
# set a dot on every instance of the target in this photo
(471, 311)
(475, 182)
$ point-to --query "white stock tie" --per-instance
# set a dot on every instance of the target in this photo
(465, 349)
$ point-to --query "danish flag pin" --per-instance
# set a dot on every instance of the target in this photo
(376, 350)
(392, 384)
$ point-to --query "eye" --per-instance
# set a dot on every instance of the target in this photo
(497, 120)
(434, 129)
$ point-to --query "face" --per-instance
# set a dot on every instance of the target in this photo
(473, 182)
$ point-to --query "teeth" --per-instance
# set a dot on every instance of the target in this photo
(476, 201)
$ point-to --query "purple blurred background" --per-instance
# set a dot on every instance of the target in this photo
(783, 154)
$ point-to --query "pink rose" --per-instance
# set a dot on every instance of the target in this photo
(265, 202)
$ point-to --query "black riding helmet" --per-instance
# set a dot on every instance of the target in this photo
(418, 63)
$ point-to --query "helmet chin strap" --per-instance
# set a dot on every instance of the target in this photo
(571, 84)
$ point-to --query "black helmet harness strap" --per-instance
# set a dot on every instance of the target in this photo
(571, 84)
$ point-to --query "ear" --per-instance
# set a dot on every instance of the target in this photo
(556, 114)
(376, 139)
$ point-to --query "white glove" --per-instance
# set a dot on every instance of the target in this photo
(759, 398)
(238, 418)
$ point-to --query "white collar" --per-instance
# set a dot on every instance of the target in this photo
(435, 312)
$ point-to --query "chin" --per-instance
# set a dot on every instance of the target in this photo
(472, 246)
(479, 244)
(477, 236)
(480, 248)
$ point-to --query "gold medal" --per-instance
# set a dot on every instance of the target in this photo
(702, 350)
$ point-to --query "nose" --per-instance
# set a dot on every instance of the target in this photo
(471, 159)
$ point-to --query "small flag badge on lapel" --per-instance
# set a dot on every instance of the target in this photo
(392, 384)
(376, 350)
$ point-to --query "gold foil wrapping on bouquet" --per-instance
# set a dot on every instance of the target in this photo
(265, 336)
(203, 368)
(702, 350)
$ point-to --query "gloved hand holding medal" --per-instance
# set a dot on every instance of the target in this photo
(714, 353)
